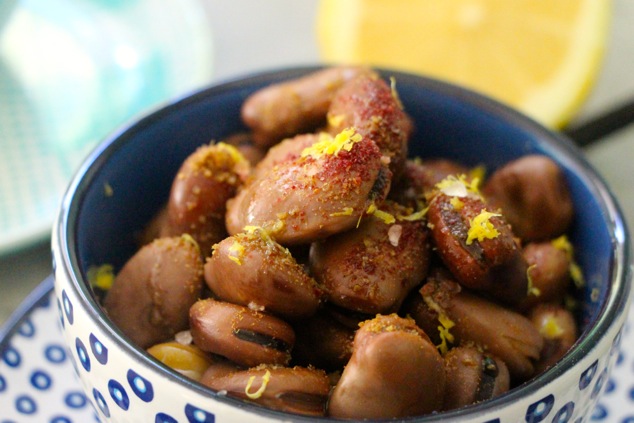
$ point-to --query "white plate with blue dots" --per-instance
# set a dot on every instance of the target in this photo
(38, 382)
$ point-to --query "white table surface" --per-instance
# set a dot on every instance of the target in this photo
(253, 35)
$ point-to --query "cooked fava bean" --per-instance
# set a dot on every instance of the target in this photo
(201, 188)
(395, 371)
(372, 268)
(244, 336)
(559, 329)
(151, 295)
(462, 317)
(533, 195)
(473, 376)
(549, 273)
(251, 269)
(324, 191)
(322, 341)
(188, 360)
(477, 244)
(368, 104)
(288, 108)
(297, 390)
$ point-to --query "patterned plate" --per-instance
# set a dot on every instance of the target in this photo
(38, 382)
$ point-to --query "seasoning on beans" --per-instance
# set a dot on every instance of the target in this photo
(331, 275)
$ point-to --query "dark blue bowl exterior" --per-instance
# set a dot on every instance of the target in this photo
(139, 163)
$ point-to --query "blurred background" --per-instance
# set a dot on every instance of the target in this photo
(72, 71)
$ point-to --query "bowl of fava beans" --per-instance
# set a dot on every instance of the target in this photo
(340, 243)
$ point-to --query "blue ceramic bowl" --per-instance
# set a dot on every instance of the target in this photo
(127, 179)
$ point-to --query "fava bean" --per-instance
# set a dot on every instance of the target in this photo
(394, 372)
(151, 295)
(252, 269)
(244, 336)
(533, 195)
(297, 390)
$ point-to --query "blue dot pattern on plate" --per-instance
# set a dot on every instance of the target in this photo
(37, 380)
(35, 387)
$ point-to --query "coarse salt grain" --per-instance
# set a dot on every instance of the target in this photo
(394, 234)
(184, 337)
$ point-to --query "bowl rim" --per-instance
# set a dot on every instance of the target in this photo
(617, 295)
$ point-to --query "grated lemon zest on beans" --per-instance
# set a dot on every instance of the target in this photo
(236, 252)
(330, 145)
(481, 228)
(551, 329)
(384, 216)
(477, 174)
(335, 120)
(419, 215)
(233, 152)
(456, 203)
(102, 276)
(532, 289)
(458, 186)
(257, 394)
(443, 330)
(562, 243)
(347, 211)
(395, 95)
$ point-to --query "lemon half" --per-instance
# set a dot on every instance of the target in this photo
(538, 56)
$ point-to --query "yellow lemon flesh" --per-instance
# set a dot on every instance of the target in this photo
(538, 56)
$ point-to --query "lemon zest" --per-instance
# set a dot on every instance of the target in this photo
(551, 329)
(384, 216)
(456, 203)
(257, 394)
(562, 243)
(327, 144)
(419, 215)
(458, 186)
(238, 249)
(335, 120)
(481, 228)
(346, 211)
(234, 153)
(531, 289)
(395, 95)
(443, 330)
(102, 276)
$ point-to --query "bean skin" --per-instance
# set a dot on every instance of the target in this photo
(244, 336)
(297, 106)
(492, 265)
(201, 188)
(559, 329)
(472, 377)
(250, 268)
(549, 271)
(368, 104)
(533, 195)
(286, 150)
(298, 390)
(151, 295)
(500, 331)
(372, 268)
(394, 372)
(313, 196)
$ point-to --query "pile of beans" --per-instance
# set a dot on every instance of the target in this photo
(308, 265)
